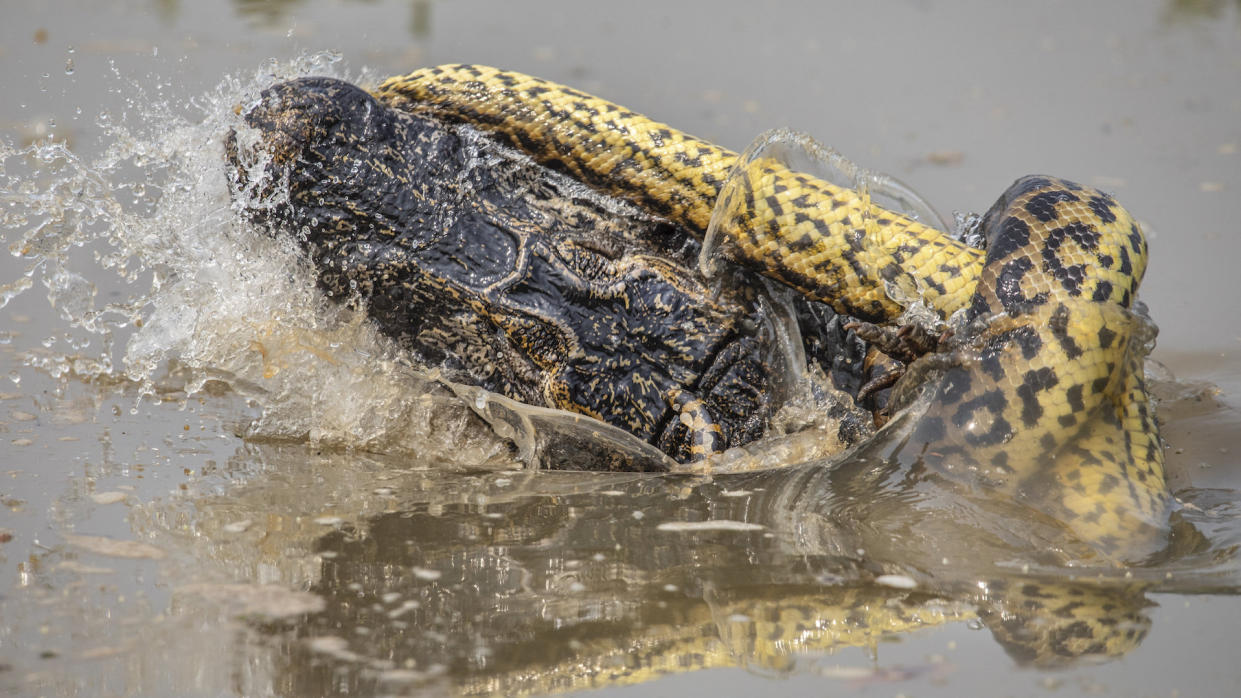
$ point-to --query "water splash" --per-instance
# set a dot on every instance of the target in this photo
(156, 282)
(799, 152)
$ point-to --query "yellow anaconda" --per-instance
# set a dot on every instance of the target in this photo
(1047, 625)
(1047, 401)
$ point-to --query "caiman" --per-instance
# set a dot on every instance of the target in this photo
(522, 281)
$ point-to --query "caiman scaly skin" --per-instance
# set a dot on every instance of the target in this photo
(511, 277)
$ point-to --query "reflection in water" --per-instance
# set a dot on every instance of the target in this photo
(539, 582)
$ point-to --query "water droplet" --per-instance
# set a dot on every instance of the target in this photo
(69, 67)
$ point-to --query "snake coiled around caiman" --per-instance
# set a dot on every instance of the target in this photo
(1047, 400)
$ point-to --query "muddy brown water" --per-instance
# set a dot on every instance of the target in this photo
(149, 548)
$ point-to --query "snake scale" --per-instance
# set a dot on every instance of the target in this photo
(1046, 401)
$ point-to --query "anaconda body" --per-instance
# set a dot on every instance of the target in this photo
(1044, 397)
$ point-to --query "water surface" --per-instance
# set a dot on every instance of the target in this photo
(170, 530)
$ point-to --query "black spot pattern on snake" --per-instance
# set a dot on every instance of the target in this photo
(1014, 235)
(1043, 205)
(1033, 383)
(1070, 276)
(1102, 205)
(1008, 287)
